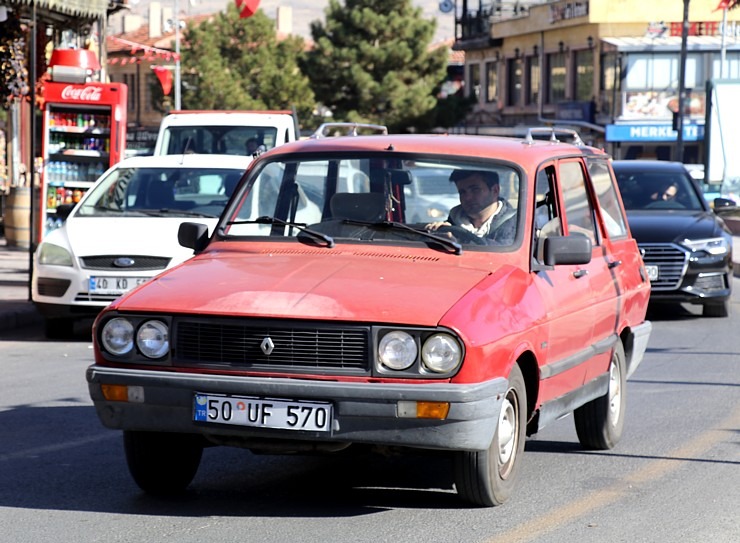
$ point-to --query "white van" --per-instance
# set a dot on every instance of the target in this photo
(224, 132)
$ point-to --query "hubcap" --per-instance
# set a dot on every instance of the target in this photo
(507, 433)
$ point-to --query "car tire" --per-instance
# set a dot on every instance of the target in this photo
(162, 463)
(600, 422)
(717, 310)
(59, 328)
(488, 478)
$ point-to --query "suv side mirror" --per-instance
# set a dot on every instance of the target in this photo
(574, 249)
(193, 235)
(719, 203)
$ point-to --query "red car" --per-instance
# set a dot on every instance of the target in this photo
(316, 317)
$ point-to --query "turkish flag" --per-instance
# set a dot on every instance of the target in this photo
(165, 78)
(723, 4)
(247, 8)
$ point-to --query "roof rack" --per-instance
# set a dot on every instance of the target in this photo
(351, 129)
(551, 130)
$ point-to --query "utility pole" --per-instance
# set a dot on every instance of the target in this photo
(682, 83)
(178, 102)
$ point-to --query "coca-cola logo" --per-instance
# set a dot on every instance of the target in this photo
(88, 94)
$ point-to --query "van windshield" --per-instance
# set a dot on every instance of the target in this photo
(223, 140)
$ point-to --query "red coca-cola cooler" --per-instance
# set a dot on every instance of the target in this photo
(84, 134)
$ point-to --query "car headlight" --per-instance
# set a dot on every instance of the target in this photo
(117, 336)
(152, 339)
(397, 350)
(436, 213)
(712, 246)
(54, 255)
(441, 353)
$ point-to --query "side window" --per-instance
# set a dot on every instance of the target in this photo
(579, 213)
(546, 215)
(606, 194)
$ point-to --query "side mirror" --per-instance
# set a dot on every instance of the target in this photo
(719, 203)
(574, 249)
(63, 211)
(193, 235)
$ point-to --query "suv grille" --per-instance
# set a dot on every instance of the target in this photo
(236, 344)
(105, 262)
(671, 261)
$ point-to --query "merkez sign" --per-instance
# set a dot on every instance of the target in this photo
(652, 132)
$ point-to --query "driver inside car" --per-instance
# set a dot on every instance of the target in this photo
(481, 211)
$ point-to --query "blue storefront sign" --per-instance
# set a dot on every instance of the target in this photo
(652, 132)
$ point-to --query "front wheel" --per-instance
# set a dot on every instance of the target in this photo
(489, 477)
(600, 422)
(162, 463)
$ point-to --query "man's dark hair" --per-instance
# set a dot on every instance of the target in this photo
(490, 178)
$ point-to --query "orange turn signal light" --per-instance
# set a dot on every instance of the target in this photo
(432, 410)
(115, 393)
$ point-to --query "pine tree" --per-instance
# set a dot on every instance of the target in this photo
(372, 63)
(233, 63)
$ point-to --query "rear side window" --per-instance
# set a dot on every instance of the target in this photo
(606, 193)
(579, 215)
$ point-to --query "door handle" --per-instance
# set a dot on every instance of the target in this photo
(580, 273)
(614, 263)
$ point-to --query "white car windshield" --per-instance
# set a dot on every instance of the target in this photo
(371, 199)
(161, 191)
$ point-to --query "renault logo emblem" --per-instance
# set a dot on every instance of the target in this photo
(267, 346)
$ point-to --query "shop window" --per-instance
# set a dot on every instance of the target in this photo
(514, 69)
(584, 80)
(533, 80)
(491, 81)
(732, 66)
(557, 76)
(474, 80)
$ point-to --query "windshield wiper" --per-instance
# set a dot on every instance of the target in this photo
(299, 225)
(447, 242)
(170, 211)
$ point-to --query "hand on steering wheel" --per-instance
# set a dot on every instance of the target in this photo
(460, 234)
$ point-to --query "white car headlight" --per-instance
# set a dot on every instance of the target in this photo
(117, 336)
(441, 353)
(713, 246)
(397, 350)
(153, 339)
(54, 255)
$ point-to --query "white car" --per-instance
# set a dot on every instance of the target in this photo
(124, 232)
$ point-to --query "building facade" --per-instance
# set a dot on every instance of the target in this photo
(609, 68)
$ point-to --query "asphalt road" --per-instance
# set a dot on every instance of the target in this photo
(675, 476)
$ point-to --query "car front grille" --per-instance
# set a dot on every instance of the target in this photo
(107, 262)
(238, 344)
(87, 297)
(671, 261)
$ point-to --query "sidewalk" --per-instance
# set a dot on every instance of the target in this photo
(16, 310)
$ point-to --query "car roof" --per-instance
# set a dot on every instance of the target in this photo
(225, 118)
(503, 148)
(648, 165)
(191, 160)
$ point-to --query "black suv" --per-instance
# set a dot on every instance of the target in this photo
(686, 246)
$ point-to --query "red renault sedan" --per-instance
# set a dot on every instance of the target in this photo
(323, 313)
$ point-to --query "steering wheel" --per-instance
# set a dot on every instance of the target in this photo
(665, 204)
(461, 235)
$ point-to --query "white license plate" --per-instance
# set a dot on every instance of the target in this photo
(652, 272)
(114, 285)
(263, 412)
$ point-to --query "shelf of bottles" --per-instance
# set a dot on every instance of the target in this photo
(78, 152)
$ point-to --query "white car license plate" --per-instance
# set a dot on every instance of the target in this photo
(114, 285)
(652, 272)
(263, 412)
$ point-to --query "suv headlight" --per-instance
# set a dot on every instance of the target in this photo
(712, 246)
(54, 255)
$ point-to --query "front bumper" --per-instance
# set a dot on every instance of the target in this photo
(363, 412)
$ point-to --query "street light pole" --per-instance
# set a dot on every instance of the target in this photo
(682, 82)
(178, 103)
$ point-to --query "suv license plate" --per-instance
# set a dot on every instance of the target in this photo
(263, 412)
(114, 285)
(652, 272)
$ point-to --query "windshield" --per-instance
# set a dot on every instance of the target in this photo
(224, 140)
(371, 199)
(658, 190)
(158, 191)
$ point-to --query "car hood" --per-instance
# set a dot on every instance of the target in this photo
(367, 286)
(156, 236)
(673, 226)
